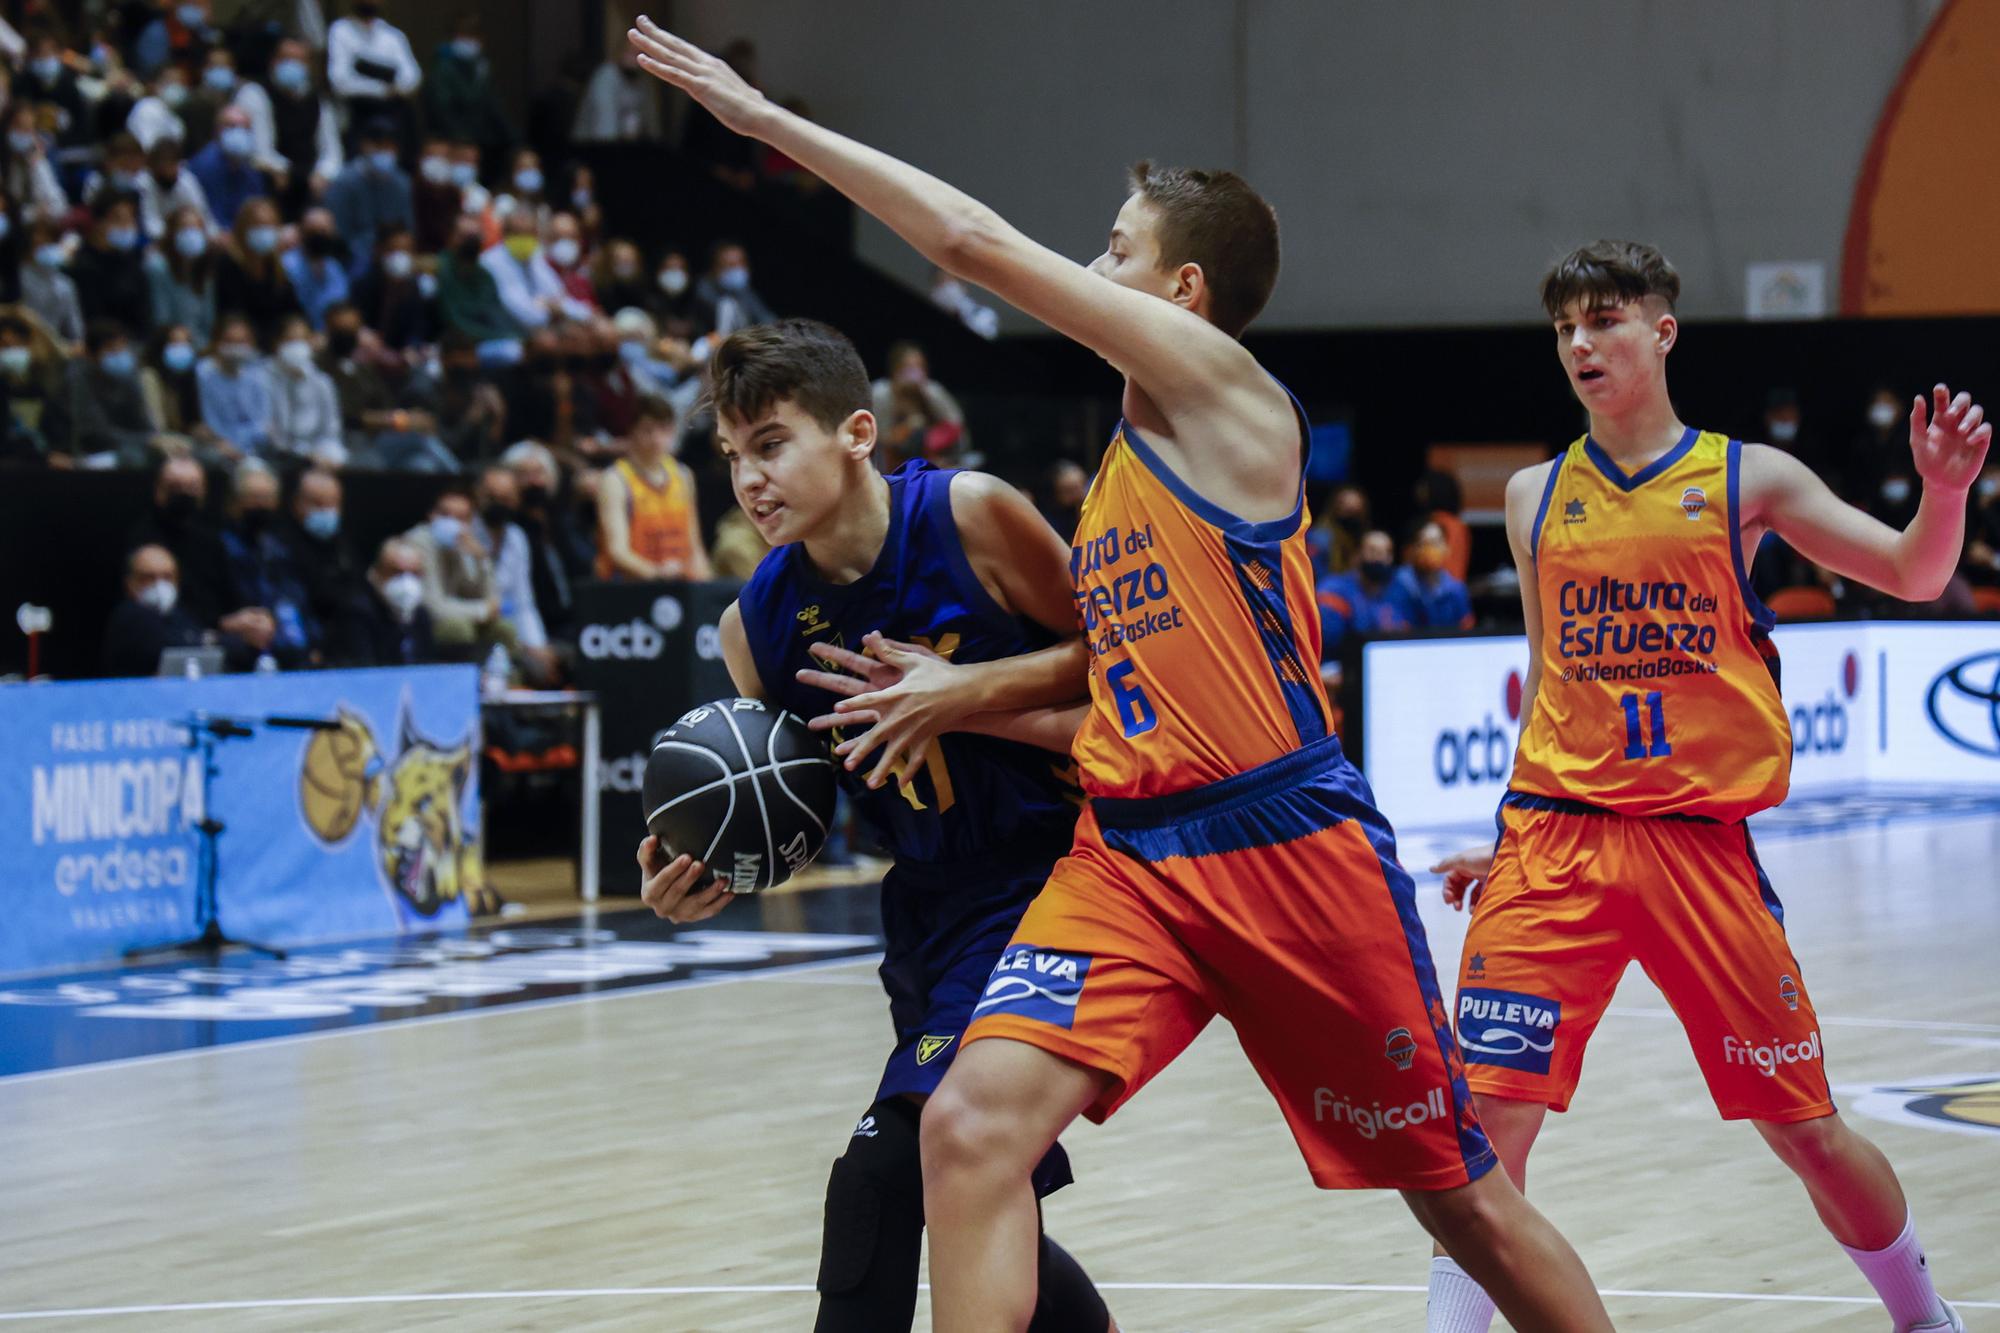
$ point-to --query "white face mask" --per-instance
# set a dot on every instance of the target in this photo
(564, 251)
(1896, 490)
(1784, 432)
(404, 593)
(397, 263)
(296, 354)
(1988, 487)
(161, 594)
(1882, 415)
(673, 281)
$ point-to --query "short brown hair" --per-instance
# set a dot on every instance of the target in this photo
(1609, 273)
(1214, 219)
(810, 363)
(652, 407)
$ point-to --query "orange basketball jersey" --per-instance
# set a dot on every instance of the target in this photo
(659, 519)
(1202, 628)
(1658, 691)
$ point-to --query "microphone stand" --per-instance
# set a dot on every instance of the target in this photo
(205, 732)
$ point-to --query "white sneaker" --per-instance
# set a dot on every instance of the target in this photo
(1951, 1323)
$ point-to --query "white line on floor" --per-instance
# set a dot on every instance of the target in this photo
(1898, 1024)
(793, 1289)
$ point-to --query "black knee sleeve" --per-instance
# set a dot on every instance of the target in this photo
(1066, 1301)
(874, 1225)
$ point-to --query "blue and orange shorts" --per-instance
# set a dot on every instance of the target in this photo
(1578, 892)
(1274, 899)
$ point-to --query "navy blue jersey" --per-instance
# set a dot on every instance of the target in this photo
(972, 799)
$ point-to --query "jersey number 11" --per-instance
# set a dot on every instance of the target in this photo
(1635, 742)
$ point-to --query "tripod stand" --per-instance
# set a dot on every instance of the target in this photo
(205, 732)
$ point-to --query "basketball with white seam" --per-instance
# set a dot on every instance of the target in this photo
(746, 789)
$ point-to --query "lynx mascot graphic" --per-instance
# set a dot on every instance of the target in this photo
(426, 855)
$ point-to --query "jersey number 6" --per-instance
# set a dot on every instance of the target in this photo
(1135, 710)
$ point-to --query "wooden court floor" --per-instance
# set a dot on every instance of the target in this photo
(656, 1160)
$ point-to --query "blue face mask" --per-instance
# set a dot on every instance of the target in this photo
(120, 362)
(121, 238)
(177, 357)
(191, 16)
(528, 181)
(445, 530)
(466, 47)
(49, 256)
(735, 278)
(291, 75)
(383, 160)
(261, 240)
(191, 241)
(47, 68)
(322, 523)
(237, 141)
(219, 77)
(464, 174)
(632, 352)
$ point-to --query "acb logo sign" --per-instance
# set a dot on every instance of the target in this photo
(1484, 751)
(1822, 727)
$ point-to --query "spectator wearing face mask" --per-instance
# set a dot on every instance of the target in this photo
(474, 199)
(579, 196)
(180, 277)
(527, 193)
(470, 409)
(110, 268)
(725, 297)
(458, 579)
(167, 186)
(672, 301)
(294, 126)
(371, 194)
(459, 95)
(167, 382)
(324, 560)
(435, 195)
(157, 115)
(151, 619)
(566, 256)
(236, 391)
(228, 176)
(618, 275)
(558, 554)
(317, 266)
(250, 277)
(917, 416)
(620, 104)
(31, 380)
(101, 419)
(641, 371)
(371, 67)
(1438, 498)
(110, 90)
(391, 625)
(46, 288)
(263, 569)
(382, 428)
(396, 300)
(305, 409)
(1335, 540)
(469, 298)
(48, 81)
(181, 34)
(1358, 601)
(495, 526)
(25, 170)
(1425, 593)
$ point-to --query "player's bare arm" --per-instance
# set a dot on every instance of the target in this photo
(1024, 567)
(1211, 391)
(680, 889)
(1949, 438)
(1465, 872)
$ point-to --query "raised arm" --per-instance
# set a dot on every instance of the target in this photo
(1948, 443)
(1180, 359)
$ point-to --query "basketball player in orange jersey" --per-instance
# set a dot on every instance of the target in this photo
(1230, 860)
(646, 522)
(1655, 729)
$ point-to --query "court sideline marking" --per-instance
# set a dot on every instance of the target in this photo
(792, 1289)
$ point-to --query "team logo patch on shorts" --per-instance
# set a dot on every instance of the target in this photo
(929, 1048)
(1041, 984)
(1507, 1029)
(1788, 991)
(1401, 1048)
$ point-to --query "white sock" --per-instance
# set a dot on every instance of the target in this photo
(1457, 1303)
(1900, 1277)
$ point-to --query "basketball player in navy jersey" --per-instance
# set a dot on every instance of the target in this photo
(960, 566)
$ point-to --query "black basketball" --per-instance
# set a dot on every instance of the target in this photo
(746, 789)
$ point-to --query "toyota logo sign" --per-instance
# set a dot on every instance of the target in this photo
(1964, 704)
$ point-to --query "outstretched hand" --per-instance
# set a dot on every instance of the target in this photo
(707, 79)
(1464, 876)
(1948, 443)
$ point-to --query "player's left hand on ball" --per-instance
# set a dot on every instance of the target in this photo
(1948, 444)
(1464, 871)
(681, 889)
(706, 78)
(905, 716)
